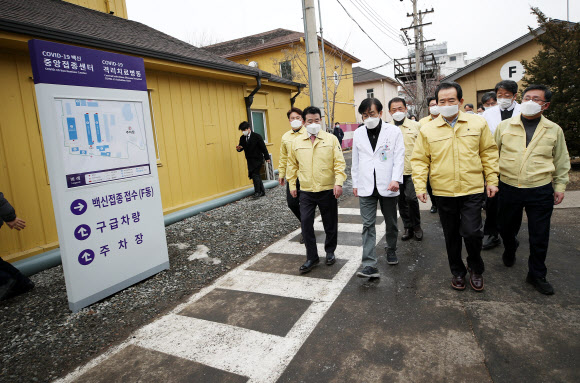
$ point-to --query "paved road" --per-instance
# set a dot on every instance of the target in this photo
(263, 322)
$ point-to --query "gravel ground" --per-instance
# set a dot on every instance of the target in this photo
(42, 340)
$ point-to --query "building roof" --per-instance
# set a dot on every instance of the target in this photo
(265, 40)
(68, 23)
(494, 55)
(361, 75)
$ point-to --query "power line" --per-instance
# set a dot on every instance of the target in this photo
(376, 22)
(353, 75)
(352, 18)
(383, 21)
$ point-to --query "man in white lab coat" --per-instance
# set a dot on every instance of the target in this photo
(378, 158)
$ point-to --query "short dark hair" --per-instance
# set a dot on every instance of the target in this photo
(547, 92)
(311, 110)
(470, 105)
(486, 96)
(294, 110)
(336, 122)
(509, 85)
(449, 85)
(397, 99)
(367, 103)
(429, 99)
(244, 125)
(480, 106)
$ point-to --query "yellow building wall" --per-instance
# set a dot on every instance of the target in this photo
(195, 119)
(118, 7)
(269, 61)
(487, 76)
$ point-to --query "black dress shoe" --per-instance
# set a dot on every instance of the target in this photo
(541, 284)
(418, 232)
(262, 194)
(256, 195)
(407, 235)
(433, 209)
(308, 265)
(330, 259)
(490, 241)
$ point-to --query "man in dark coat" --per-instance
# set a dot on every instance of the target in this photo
(338, 133)
(255, 150)
(12, 281)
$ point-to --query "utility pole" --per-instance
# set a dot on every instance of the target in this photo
(311, 39)
(324, 67)
(417, 26)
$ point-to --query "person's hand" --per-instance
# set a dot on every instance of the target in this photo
(281, 181)
(393, 186)
(355, 192)
(558, 197)
(491, 190)
(422, 197)
(19, 224)
(294, 193)
(268, 161)
(238, 147)
(337, 191)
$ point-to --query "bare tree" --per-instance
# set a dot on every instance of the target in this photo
(202, 39)
(295, 54)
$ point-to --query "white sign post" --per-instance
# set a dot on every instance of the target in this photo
(98, 141)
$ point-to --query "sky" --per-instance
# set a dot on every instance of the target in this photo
(477, 27)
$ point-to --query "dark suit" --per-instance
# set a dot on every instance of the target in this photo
(256, 153)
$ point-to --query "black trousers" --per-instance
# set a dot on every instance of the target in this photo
(461, 218)
(8, 272)
(491, 207)
(293, 203)
(408, 203)
(328, 206)
(539, 205)
(257, 179)
(430, 191)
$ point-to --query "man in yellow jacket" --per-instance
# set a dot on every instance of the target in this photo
(296, 125)
(533, 167)
(316, 159)
(408, 204)
(458, 153)
(433, 114)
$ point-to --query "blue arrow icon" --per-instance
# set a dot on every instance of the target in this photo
(78, 207)
(82, 232)
(86, 256)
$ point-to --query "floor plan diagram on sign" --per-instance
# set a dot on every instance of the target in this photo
(99, 135)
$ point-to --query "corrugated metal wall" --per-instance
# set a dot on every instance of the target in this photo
(196, 123)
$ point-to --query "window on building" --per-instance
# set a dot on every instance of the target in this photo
(259, 123)
(370, 93)
(286, 70)
(452, 58)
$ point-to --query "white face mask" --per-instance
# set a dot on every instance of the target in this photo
(295, 124)
(246, 132)
(434, 110)
(399, 116)
(449, 110)
(313, 129)
(504, 103)
(530, 108)
(488, 107)
(371, 122)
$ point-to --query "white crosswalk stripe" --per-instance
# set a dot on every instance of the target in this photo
(259, 356)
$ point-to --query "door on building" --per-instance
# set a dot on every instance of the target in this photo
(259, 123)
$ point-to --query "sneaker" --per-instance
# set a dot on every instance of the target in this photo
(490, 241)
(368, 272)
(541, 284)
(392, 257)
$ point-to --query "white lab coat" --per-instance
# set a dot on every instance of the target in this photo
(493, 115)
(387, 160)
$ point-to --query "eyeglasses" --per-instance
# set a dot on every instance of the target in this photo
(534, 99)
